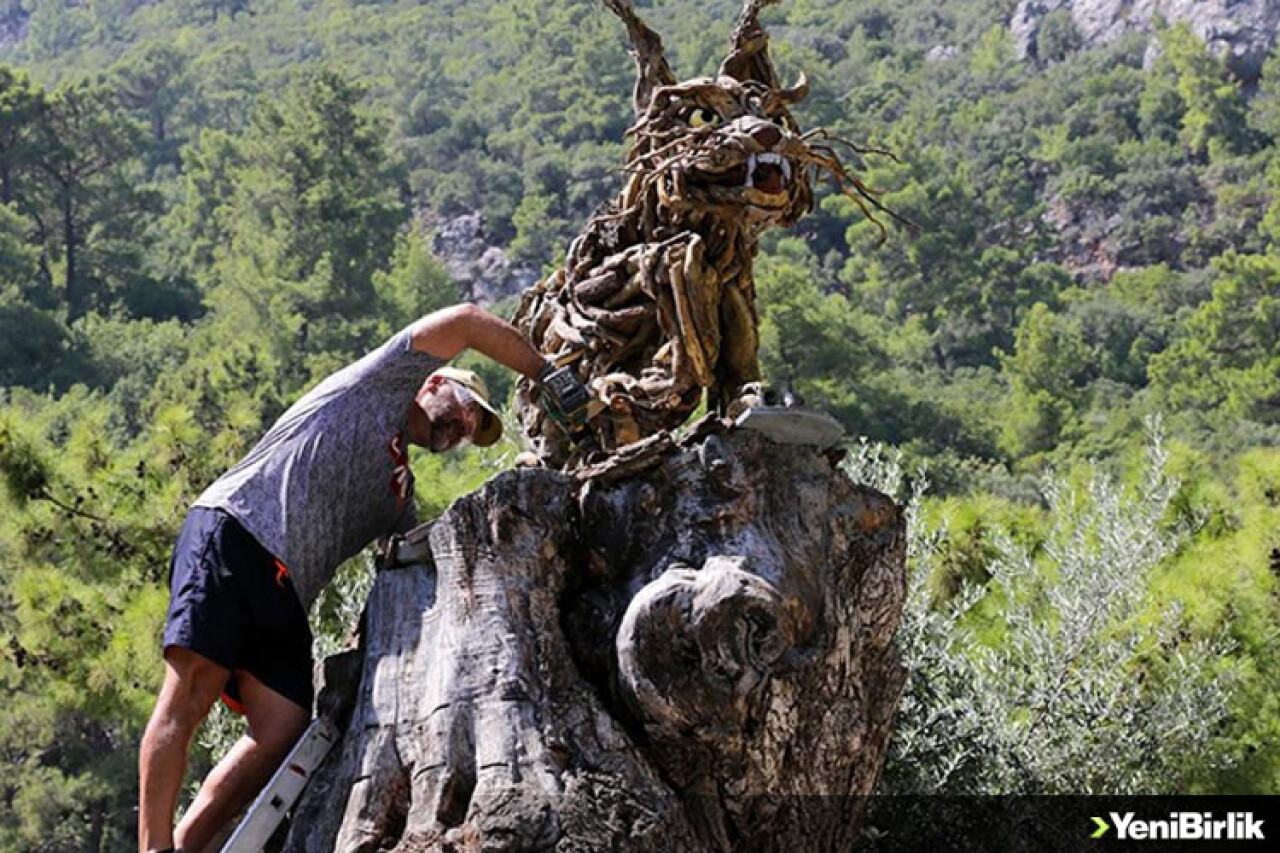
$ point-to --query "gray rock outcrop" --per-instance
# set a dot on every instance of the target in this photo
(483, 272)
(1241, 31)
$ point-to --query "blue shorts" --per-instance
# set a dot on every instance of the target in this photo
(232, 602)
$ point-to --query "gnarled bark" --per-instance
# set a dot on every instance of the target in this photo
(687, 648)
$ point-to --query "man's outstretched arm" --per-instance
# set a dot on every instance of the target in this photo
(449, 331)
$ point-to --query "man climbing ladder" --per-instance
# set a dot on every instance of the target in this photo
(331, 476)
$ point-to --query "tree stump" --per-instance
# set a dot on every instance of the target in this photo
(686, 648)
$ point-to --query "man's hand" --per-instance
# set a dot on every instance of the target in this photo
(564, 398)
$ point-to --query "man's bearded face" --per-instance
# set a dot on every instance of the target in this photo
(452, 414)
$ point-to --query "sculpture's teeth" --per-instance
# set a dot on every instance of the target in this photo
(770, 158)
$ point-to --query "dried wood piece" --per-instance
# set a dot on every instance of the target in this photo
(652, 70)
(597, 288)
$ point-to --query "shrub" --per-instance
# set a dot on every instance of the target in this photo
(1053, 678)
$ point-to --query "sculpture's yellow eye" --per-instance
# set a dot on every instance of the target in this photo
(701, 117)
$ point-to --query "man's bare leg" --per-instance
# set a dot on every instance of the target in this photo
(191, 686)
(275, 723)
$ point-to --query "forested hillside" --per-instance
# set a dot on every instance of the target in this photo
(208, 204)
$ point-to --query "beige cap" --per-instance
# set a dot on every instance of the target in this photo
(490, 428)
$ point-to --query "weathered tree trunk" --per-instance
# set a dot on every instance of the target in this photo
(685, 649)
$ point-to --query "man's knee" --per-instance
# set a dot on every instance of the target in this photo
(274, 721)
(191, 686)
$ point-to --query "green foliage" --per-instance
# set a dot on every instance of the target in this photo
(26, 473)
(207, 204)
(21, 103)
(85, 537)
(993, 57)
(1214, 107)
(1053, 677)
(1048, 373)
(1050, 355)
(311, 215)
(1264, 110)
(151, 81)
(810, 338)
(1228, 581)
(55, 26)
(1058, 36)
(32, 343)
(537, 229)
(1226, 352)
(17, 259)
(415, 284)
(72, 176)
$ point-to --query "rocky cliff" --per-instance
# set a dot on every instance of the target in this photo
(483, 271)
(1241, 31)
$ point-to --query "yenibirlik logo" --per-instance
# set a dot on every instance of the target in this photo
(1183, 826)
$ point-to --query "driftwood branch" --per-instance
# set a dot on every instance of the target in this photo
(652, 69)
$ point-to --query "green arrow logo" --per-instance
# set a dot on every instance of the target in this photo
(1103, 826)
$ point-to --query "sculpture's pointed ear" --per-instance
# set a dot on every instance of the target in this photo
(749, 59)
(652, 70)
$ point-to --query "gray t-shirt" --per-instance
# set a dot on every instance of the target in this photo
(332, 474)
